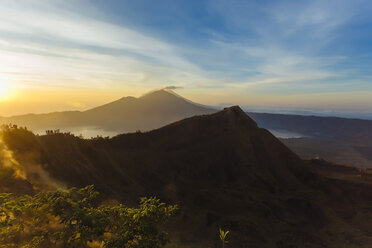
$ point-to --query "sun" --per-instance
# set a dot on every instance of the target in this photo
(5, 90)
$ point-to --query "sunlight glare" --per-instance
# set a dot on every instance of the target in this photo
(5, 90)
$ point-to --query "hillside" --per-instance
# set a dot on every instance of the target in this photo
(223, 171)
(315, 126)
(127, 114)
(353, 153)
(340, 140)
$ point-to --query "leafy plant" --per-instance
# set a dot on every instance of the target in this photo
(73, 218)
(223, 236)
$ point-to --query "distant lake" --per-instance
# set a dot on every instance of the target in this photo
(86, 132)
(89, 132)
(284, 134)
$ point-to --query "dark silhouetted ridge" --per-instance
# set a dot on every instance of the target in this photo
(229, 138)
(224, 172)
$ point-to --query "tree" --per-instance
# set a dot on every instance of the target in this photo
(73, 218)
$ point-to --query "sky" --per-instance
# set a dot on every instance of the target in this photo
(294, 56)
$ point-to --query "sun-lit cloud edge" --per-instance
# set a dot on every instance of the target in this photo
(45, 47)
(80, 49)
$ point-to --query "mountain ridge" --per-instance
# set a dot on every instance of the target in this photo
(339, 140)
(126, 114)
(224, 172)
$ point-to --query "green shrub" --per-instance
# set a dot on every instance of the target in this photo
(73, 218)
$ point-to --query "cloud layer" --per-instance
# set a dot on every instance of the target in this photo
(265, 48)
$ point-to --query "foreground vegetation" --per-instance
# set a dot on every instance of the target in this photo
(73, 218)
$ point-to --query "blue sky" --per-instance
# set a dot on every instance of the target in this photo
(260, 54)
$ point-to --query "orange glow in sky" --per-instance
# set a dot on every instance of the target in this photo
(64, 55)
(5, 91)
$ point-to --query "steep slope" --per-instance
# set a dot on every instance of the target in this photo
(223, 147)
(128, 114)
(223, 171)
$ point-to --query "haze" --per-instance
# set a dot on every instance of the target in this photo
(74, 55)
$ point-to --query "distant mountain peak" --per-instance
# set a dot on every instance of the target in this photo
(160, 92)
(168, 95)
(127, 114)
(128, 98)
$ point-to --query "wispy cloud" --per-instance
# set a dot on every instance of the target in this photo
(285, 42)
(229, 45)
(40, 42)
